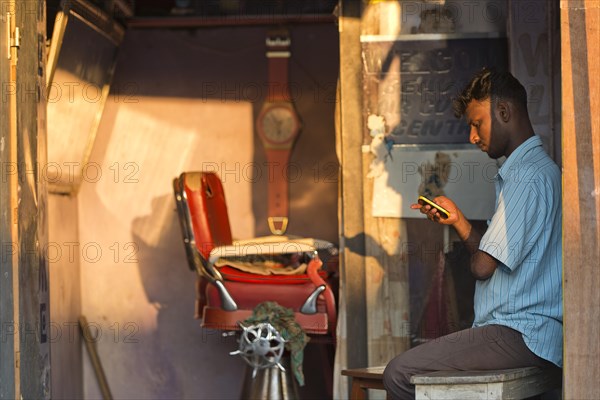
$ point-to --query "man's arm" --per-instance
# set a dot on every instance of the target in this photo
(482, 264)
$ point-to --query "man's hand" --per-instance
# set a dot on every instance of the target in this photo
(434, 215)
(482, 264)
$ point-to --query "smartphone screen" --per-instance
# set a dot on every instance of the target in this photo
(442, 211)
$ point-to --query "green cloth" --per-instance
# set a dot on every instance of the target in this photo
(283, 320)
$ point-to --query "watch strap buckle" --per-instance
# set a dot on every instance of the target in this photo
(278, 46)
(274, 222)
(278, 41)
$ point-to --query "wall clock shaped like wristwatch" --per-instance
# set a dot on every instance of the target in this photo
(278, 126)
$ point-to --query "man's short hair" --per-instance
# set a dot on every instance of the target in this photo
(493, 85)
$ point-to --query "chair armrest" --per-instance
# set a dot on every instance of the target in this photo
(207, 270)
(313, 266)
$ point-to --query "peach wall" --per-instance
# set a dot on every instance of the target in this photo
(180, 101)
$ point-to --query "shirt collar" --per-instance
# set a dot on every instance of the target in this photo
(519, 154)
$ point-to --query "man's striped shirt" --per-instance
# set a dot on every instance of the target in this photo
(525, 236)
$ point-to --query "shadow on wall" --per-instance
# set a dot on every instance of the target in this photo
(179, 346)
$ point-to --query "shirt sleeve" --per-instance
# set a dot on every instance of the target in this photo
(516, 225)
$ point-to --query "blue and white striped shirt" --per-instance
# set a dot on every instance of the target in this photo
(525, 236)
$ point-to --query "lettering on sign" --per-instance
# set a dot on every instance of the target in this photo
(411, 83)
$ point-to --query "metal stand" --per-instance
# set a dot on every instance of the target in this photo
(271, 383)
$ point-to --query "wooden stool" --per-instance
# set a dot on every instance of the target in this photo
(363, 379)
(518, 383)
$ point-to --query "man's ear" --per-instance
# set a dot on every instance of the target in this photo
(503, 111)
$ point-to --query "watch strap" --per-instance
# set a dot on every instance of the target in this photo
(278, 54)
(277, 212)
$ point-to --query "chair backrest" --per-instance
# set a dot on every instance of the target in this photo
(207, 210)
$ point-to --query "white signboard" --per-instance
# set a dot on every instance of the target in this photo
(463, 173)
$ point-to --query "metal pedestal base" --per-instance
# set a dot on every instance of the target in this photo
(271, 383)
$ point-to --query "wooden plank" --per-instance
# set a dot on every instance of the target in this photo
(468, 377)
(352, 223)
(7, 237)
(518, 383)
(533, 385)
(351, 348)
(33, 293)
(65, 297)
(386, 264)
(386, 280)
(580, 35)
(516, 389)
(368, 372)
(464, 392)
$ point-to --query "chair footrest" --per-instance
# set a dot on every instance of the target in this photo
(217, 318)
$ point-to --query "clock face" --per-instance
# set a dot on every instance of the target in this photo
(278, 124)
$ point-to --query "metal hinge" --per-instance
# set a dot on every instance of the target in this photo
(13, 38)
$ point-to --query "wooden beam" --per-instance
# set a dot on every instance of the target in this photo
(203, 22)
(32, 286)
(386, 263)
(580, 36)
(9, 338)
(386, 280)
(352, 221)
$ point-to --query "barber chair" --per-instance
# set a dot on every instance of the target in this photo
(227, 294)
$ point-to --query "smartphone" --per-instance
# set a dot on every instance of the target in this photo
(442, 211)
